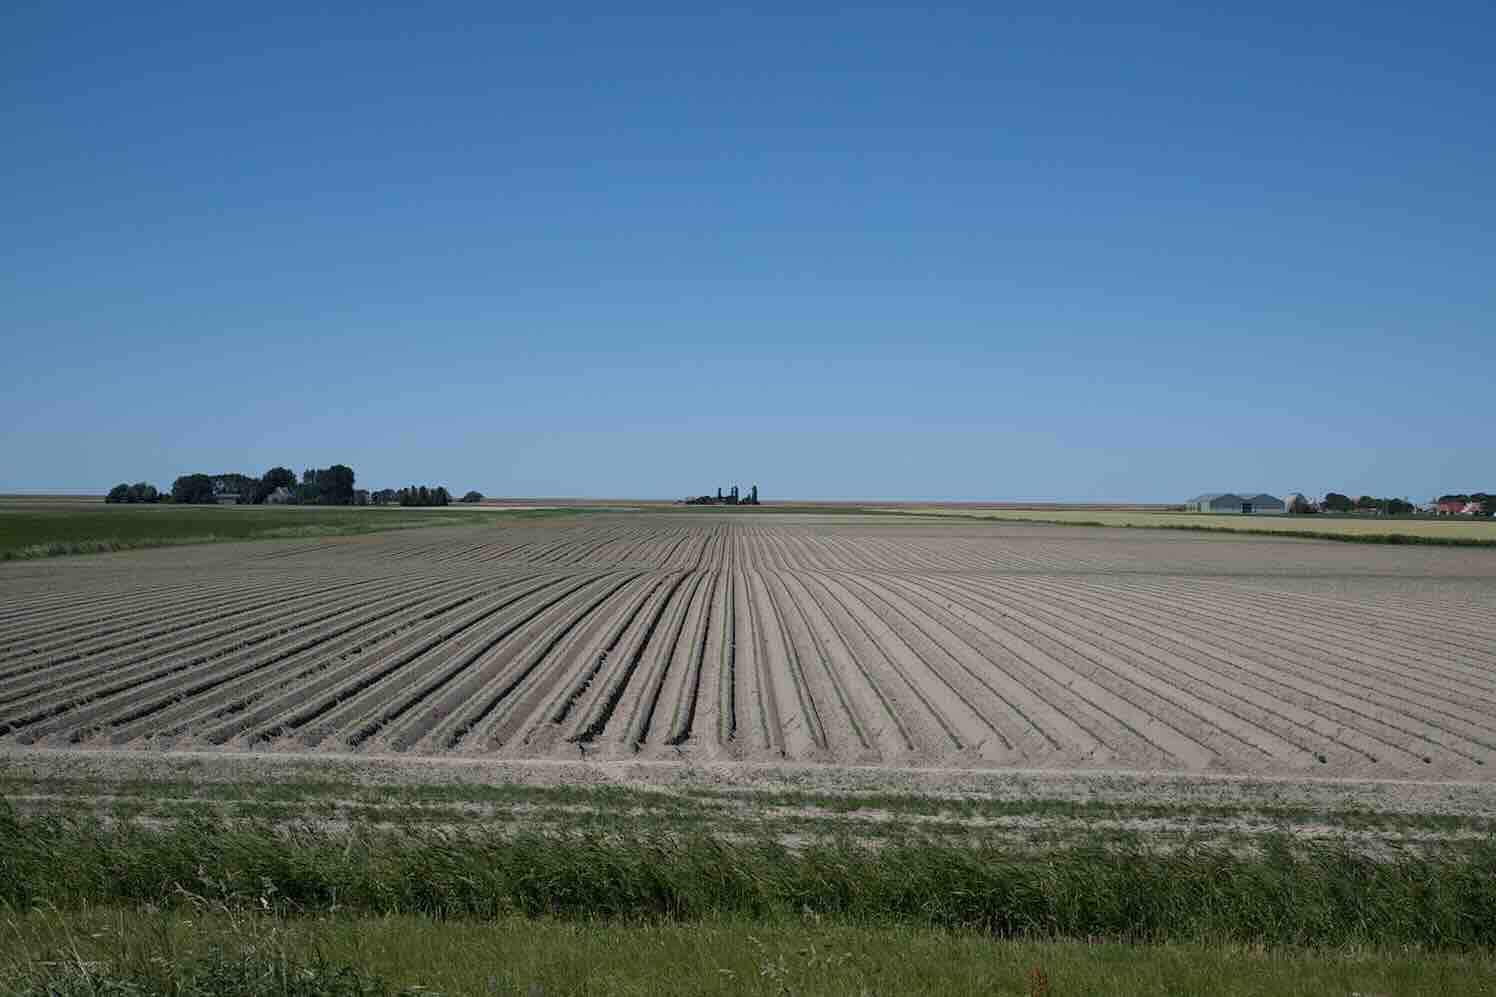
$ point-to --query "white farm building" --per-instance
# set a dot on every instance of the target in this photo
(1243, 504)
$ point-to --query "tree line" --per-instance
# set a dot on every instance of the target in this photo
(1336, 502)
(334, 485)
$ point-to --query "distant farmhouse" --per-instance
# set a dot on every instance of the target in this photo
(1242, 505)
(731, 498)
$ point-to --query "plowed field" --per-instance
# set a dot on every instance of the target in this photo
(818, 639)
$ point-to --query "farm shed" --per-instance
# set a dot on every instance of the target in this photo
(1241, 504)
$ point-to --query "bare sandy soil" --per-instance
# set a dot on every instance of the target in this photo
(736, 643)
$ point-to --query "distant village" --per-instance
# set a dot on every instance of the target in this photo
(731, 498)
(1297, 504)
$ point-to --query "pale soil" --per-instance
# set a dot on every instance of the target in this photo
(816, 647)
(341, 792)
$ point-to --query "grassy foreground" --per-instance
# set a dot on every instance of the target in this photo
(207, 906)
(32, 529)
(1354, 529)
(1288, 894)
(217, 952)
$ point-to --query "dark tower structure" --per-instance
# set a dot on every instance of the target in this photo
(753, 495)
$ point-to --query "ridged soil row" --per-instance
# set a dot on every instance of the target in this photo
(872, 713)
(447, 674)
(698, 720)
(468, 555)
(396, 701)
(638, 707)
(1355, 631)
(364, 684)
(682, 689)
(27, 616)
(117, 656)
(82, 713)
(1311, 711)
(874, 553)
(445, 678)
(446, 718)
(230, 702)
(1348, 695)
(136, 675)
(117, 648)
(783, 674)
(840, 717)
(1038, 687)
(597, 704)
(513, 685)
(922, 726)
(292, 698)
(561, 550)
(611, 551)
(1077, 711)
(964, 671)
(91, 627)
(1380, 668)
(942, 687)
(1265, 731)
(727, 681)
(319, 547)
(1220, 667)
(1190, 729)
(1369, 678)
(602, 637)
(1037, 728)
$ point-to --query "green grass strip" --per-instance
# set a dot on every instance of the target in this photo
(1292, 894)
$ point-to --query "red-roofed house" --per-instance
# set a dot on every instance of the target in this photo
(1452, 507)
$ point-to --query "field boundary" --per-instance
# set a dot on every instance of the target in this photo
(1453, 797)
(1360, 538)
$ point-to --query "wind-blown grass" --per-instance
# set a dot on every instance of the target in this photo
(1293, 895)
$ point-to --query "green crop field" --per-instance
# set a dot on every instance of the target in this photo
(49, 527)
(1371, 529)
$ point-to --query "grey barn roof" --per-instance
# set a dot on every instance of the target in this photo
(1254, 498)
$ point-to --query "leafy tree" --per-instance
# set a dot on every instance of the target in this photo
(473, 497)
(193, 489)
(1336, 502)
(1300, 506)
(336, 485)
(119, 493)
(276, 477)
(143, 492)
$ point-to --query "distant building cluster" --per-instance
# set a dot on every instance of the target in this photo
(1296, 503)
(1247, 504)
(731, 498)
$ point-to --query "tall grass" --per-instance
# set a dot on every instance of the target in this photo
(1294, 895)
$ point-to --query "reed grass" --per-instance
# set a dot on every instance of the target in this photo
(1288, 894)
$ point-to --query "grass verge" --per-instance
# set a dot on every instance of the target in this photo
(210, 951)
(1290, 894)
(31, 531)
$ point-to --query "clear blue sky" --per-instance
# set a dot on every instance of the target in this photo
(1109, 251)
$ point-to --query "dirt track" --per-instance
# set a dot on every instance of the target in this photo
(821, 639)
